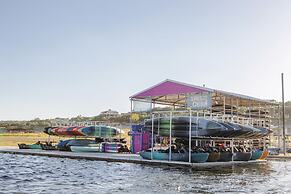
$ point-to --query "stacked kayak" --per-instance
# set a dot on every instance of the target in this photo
(65, 145)
(100, 131)
(202, 127)
(163, 155)
(200, 157)
(225, 157)
(184, 157)
(80, 142)
(112, 147)
(64, 131)
(62, 145)
(87, 148)
(242, 156)
(264, 155)
(92, 131)
(87, 145)
(213, 157)
(180, 127)
(29, 146)
(256, 154)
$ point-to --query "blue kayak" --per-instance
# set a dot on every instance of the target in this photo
(256, 154)
(162, 155)
(199, 157)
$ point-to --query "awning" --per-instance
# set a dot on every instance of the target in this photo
(172, 92)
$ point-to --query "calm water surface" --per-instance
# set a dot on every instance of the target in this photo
(35, 174)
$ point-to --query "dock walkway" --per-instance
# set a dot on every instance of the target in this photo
(280, 156)
(119, 157)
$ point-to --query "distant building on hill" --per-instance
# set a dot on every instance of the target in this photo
(109, 113)
(60, 121)
(125, 114)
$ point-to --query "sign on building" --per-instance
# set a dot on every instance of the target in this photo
(199, 101)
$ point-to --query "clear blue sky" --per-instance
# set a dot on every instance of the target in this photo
(65, 58)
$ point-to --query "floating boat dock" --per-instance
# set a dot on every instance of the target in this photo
(280, 157)
(119, 157)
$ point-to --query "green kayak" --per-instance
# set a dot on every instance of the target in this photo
(31, 146)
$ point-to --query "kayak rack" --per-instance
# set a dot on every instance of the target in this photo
(231, 142)
(173, 98)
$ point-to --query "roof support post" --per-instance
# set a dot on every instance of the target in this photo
(249, 112)
(223, 108)
(231, 109)
(237, 110)
(170, 154)
(265, 115)
(197, 127)
(159, 124)
(190, 134)
(283, 115)
(232, 150)
(279, 132)
(152, 142)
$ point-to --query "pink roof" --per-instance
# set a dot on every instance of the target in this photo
(169, 87)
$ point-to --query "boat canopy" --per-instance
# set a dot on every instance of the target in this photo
(174, 93)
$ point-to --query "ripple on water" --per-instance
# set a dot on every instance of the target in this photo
(34, 174)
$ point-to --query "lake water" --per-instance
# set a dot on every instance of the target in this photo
(35, 174)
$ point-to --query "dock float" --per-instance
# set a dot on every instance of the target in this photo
(280, 157)
(120, 157)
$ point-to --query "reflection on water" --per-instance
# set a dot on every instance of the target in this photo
(35, 174)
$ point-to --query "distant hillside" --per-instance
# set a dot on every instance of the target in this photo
(39, 124)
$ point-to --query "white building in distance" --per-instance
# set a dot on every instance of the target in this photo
(109, 113)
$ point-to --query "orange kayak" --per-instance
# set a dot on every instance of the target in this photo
(264, 155)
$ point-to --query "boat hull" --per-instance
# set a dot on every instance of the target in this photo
(62, 145)
(242, 156)
(213, 157)
(155, 155)
(225, 157)
(264, 155)
(92, 131)
(199, 157)
(80, 142)
(256, 154)
(164, 156)
(86, 148)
